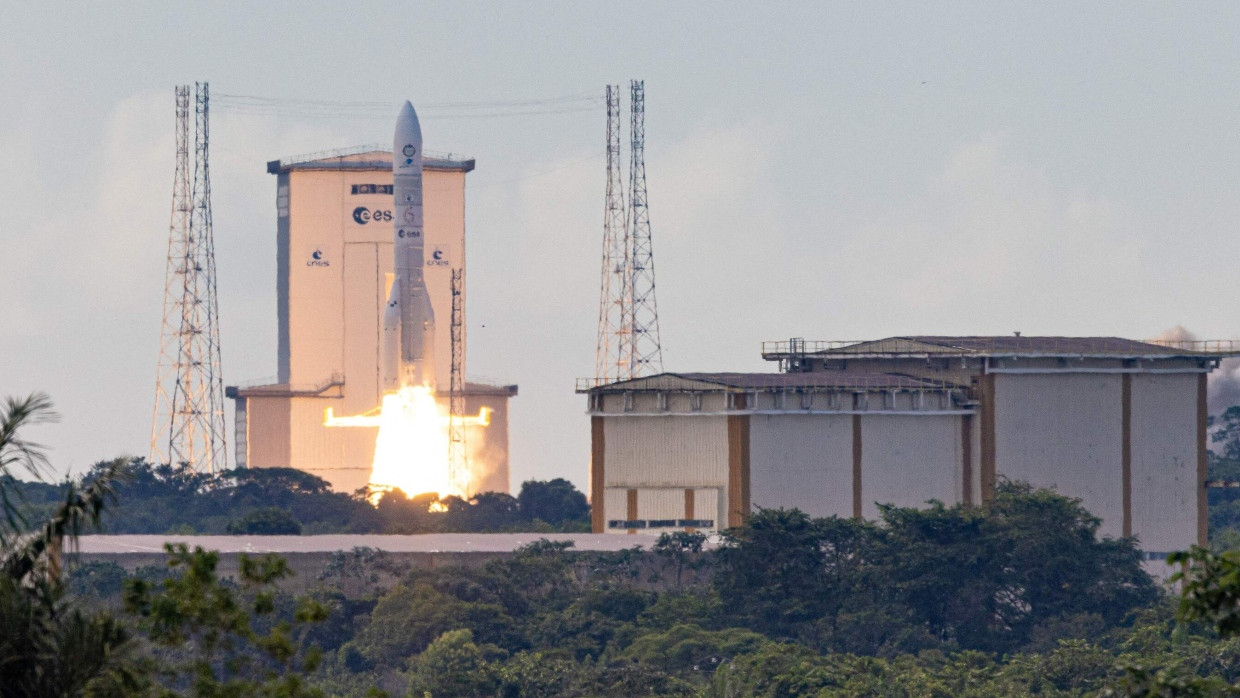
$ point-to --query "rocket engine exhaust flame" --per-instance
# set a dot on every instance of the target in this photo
(411, 450)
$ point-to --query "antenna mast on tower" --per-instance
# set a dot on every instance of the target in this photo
(187, 429)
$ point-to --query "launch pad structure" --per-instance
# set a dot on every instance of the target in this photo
(334, 270)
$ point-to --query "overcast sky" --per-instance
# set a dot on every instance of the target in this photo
(828, 171)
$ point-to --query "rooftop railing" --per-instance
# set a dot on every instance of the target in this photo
(1022, 346)
(350, 151)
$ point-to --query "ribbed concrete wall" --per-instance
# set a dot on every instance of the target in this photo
(908, 459)
(1164, 461)
(666, 451)
(660, 457)
(661, 503)
(802, 461)
(269, 417)
(616, 504)
(1064, 431)
(706, 505)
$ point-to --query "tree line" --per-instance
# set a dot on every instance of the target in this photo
(161, 499)
(1015, 597)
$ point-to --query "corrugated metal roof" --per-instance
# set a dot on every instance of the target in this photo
(842, 380)
(1049, 345)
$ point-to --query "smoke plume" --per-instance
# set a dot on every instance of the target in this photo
(1223, 388)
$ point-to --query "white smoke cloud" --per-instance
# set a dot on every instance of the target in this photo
(1223, 384)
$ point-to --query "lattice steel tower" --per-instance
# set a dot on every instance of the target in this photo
(458, 457)
(187, 429)
(610, 363)
(628, 318)
(644, 351)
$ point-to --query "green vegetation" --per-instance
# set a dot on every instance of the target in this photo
(1224, 464)
(1017, 597)
(283, 501)
(188, 634)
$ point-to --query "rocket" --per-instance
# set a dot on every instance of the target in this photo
(408, 358)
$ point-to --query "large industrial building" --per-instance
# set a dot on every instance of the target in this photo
(843, 427)
(334, 264)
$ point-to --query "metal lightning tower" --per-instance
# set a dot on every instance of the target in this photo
(644, 352)
(610, 363)
(628, 318)
(458, 460)
(187, 429)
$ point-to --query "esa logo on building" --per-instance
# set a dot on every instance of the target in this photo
(437, 258)
(363, 215)
(318, 259)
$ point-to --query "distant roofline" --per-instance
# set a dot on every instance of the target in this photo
(335, 160)
(736, 381)
(1003, 346)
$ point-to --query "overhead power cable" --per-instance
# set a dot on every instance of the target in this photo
(333, 109)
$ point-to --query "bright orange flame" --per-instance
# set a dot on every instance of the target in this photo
(412, 450)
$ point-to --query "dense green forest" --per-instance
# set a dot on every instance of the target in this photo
(161, 499)
(1015, 597)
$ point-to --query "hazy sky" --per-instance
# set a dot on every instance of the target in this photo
(828, 171)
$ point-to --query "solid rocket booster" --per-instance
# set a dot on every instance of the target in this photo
(408, 320)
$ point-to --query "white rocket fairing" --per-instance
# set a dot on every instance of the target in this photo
(408, 320)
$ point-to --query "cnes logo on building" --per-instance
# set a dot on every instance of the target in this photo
(437, 258)
(318, 259)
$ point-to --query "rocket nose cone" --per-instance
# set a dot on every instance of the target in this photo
(407, 128)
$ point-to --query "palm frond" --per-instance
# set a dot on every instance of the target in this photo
(19, 452)
(83, 505)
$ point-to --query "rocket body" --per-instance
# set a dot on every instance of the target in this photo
(408, 320)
